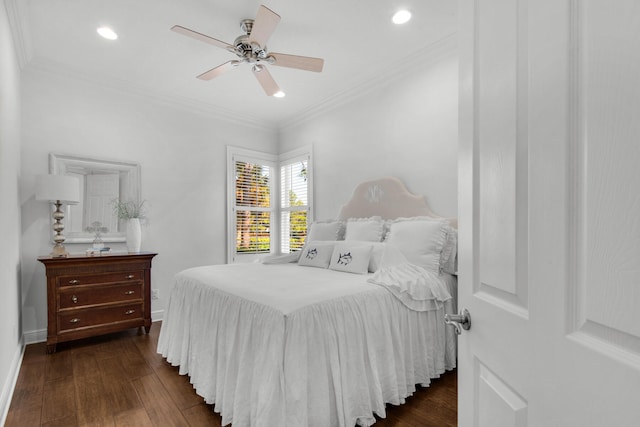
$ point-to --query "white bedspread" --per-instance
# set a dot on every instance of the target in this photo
(284, 345)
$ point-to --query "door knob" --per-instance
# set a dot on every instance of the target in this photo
(459, 321)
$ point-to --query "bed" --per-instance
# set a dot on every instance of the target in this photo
(329, 335)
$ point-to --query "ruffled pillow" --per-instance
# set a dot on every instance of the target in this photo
(382, 254)
(325, 230)
(365, 229)
(420, 240)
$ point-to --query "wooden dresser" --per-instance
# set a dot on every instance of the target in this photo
(94, 295)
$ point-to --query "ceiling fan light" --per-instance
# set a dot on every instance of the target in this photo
(279, 94)
(257, 68)
(401, 17)
(107, 33)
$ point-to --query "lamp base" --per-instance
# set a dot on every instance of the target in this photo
(59, 251)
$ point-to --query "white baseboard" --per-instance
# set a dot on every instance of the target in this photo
(156, 316)
(9, 386)
(32, 337)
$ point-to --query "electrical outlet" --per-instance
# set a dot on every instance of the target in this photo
(155, 294)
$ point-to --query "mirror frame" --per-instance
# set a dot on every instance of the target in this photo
(59, 164)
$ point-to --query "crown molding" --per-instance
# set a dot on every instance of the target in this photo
(19, 26)
(46, 66)
(425, 57)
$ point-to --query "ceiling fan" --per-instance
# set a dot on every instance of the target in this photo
(251, 48)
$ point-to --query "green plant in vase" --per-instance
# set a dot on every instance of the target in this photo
(133, 213)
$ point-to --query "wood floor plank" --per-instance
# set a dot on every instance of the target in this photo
(59, 400)
(158, 403)
(134, 363)
(25, 412)
(148, 348)
(133, 418)
(178, 386)
(58, 365)
(120, 394)
(92, 407)
(69, 421)
(202, 415)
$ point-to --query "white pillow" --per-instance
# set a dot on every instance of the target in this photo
(351, 257)
(377, 252)
(421, 240)
(366, 229)
(449, 257)
(316, 254)
(325, 230)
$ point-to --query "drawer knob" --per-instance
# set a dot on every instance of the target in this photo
(129, 292)
(74, 320)
(74, 299)
(131, 276)
(74, 282)
(128, 312)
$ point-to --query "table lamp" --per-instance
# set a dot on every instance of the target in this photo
(58, 189)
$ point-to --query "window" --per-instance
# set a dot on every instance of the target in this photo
(253, 207)
(269, 202)
(294, 203)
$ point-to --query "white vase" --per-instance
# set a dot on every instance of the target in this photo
(134, 235)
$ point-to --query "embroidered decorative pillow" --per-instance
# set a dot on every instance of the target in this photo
(316, 254)
(351, 258)
(420, 240)
(325, 230)
(366, 229)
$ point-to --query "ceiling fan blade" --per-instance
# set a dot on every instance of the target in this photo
(266, 81)
(220, 69)
(199, 36)
(300, 62)
(263, 26)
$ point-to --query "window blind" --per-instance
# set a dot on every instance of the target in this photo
(253, 207)
(294, 204)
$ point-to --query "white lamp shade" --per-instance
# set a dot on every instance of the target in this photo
(58, 187)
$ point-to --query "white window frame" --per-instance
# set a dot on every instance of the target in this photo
(274, 162)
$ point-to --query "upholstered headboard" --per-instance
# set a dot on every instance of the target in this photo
(389, 198)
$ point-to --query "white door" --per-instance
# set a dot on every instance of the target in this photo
(549, 210)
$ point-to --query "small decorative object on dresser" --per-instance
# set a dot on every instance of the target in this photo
(133, 213)
(88, 296)
(97, 229)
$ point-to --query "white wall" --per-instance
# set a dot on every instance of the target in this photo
(408, 129)
(10, 333)
(183, 159)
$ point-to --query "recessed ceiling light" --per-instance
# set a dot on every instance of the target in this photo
(279, 94)
(401, 17)
(107, 33)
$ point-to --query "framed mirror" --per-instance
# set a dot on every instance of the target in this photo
(101, 182)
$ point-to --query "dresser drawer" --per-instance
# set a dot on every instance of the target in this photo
(79, 296)
(88, 279)
(75, 319)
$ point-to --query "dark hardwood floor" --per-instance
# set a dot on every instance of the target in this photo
(120, 380)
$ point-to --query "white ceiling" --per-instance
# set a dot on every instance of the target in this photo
(356, 38)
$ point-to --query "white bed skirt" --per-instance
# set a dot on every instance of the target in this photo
(332, 363)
